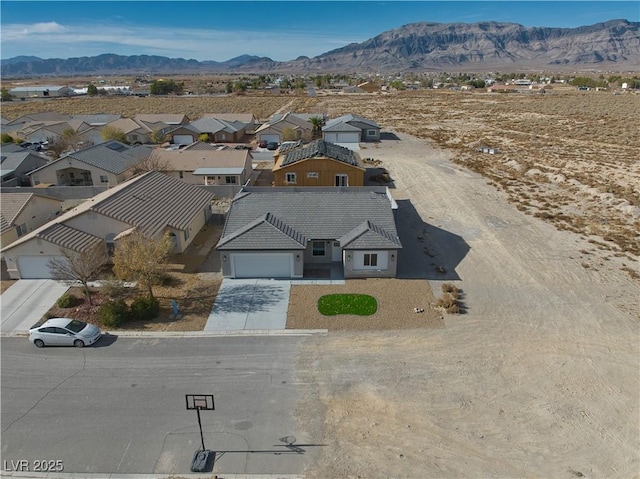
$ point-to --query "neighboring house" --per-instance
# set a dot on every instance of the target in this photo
(152, 204)
(23, 212)
(105, 164)
(219, 130)
(41, 91)
(134, 132)
(16, 166)
(36, 117)
(181, 135)
(167, 119)
(247, 119)
(318, 163)
(278, 232)
(196, 166)
(344, 129)
(274, 130)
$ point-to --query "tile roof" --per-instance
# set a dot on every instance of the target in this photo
(320, 149)
(111, 156)
(69, 238)
(214, 125)
(11, 161)
(149, 202)
(274, 233)
(191, 160)
(353, 118)
(154, 201)
(11, 204)
(313, 213)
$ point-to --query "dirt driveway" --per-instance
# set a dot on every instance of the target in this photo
(540, 377)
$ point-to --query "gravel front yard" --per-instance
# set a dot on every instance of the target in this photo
(396, 298)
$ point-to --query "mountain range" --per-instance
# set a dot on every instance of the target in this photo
(423, 46)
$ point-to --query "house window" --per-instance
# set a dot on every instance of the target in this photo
(342, 180)
(318, 248)
(104, 179)
(209, 180)
(231, 180)
(22, 229)
(36, 179)
(371, 133)
(371, 259)
(134, 137)
(290, 178)
(312, 174)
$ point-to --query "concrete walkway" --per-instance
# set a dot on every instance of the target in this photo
(26, 301)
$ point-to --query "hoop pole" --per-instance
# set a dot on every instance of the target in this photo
(200, 424)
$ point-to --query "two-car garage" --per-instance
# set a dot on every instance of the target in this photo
(36, 267)
(262, 265)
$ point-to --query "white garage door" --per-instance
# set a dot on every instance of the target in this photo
(262, 265)
(182, 139)
(273, 138)
(35, 267)
(342, 137)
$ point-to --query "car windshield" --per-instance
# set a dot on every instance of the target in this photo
(76, 326)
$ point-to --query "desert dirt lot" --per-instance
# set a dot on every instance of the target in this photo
(539, 377)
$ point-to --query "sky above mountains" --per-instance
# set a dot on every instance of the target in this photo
(285, 30)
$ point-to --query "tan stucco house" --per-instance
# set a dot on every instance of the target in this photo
(21, 213)
(152, 204)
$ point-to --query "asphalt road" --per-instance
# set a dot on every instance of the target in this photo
(119, 407)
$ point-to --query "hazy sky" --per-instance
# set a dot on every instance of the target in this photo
(211, 30)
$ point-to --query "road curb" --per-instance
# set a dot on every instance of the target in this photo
(196, 334)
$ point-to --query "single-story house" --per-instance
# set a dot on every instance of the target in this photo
(105, 164)
(226, 166)
(277, 129)
(278, 232)
(350, 129)
(318, 163)
(219, 130)
(16, 166)
(152, 204)
(134, 132)
(23, 212)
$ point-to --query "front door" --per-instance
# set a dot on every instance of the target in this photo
(342, 180)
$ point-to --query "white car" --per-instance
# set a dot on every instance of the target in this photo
(64, 332)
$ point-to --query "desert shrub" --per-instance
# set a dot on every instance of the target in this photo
(451, 289)
(145, 308)
(113, 314)
(6, 138)
(114, 288)
(67, 301)
(446, 301)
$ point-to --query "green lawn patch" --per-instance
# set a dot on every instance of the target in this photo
(359, 304)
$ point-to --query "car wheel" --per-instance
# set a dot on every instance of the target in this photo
(78, 343)
(39, 343)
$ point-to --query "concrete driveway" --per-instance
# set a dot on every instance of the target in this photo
(26, 301)
(256, 304)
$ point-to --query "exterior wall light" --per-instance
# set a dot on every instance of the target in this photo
(393, 257)
(224, 258)
(297, 257)
(348, 257)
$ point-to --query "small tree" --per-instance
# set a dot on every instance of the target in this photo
(81, 267)
(92, 90)
(158, 137)
(317, 123)
(289, 134)
(5, 95)
(112, 133)
(152, 163)
(142, 259)
(203, 137)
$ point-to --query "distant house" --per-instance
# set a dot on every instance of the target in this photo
(350, 129)
(227, 166)
(152, 204)
(219, 130)
(276, 129)
(369, 87)
(134, 131)
(41, 91)
(318, 163)
(21, 213)
(279, 232)
(106, 164)
(16, 166)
